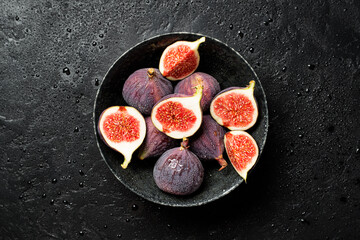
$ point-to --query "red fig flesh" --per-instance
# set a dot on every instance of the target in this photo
(144, 88)
(235, 108)
(208, 142)
(242, 151)
(180, 59)
(155, 143)
(178, 171)
(210, 84)
(123, 129)
(177, 115)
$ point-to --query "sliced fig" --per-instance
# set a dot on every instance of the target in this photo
(123, 129)
(210, 84)
(155, 143)
(178, 171)
(235, 108)
(180, 59)
(242, 151)
(208, 142)
(144, 88)
(178, 115)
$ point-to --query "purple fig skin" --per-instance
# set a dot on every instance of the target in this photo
(208, 142)
(178, 171)
(155, 143)
(144, 88)
(210, 87)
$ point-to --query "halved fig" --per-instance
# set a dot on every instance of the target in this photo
(144, 88)
(180, 59)
(242, 151)
(210, 84)
(208, 141)
(178, 171)
(155, 143)
(122, 128)
(178, 115)
(235, 108)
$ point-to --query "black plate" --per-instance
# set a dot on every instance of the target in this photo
(218, 60)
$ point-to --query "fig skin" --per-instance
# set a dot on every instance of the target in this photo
(155, 143)
(210, 87)
(144, 88)
(208, 141)
(178, 171)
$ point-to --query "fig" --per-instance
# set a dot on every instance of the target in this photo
(178, 115)
(210, 84)
(208, 142)
(178, 171)
(235, 108)
(144, 88)
(242, 151)
(122, 128)
(155, 143)
(180, 59)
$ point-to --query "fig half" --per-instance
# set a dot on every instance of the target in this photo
(178, 171)
(122, 128)
(210, 84)
(177, 115)
(242, 151)
(235, 108)
(144, 88)
(155, 143)
(208, 142)
(180, 59)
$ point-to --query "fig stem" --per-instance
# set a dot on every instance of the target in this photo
(196, 44)
(184, 144)
(251, 85)
(151, 72)
(127, 159)
(221, 161)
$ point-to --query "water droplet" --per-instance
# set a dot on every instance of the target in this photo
(17, 18)
(81, 233)
(266, 23)
(231, 26)
(357, 150)
(81, 172)
(169, 226)
(81, 184)
(52, 201)
(21, 196)
(251, 49)
(55, 86)
(66, 71)
(55, 210)
(59, 193)
(68, 29)
(119, 235)
(105, 226)
(311, 66)
(301, 136)
(97, 82)
(65, 202)
(94, 43)
(127, 220)
(270, 20)
(307, 90)
(134, 207)
(76, 129)
(44, 195)
(101, 47)
(241, 34)
(54, 180)
(284, 69)
(101, 35)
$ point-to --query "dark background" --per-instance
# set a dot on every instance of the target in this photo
(53, 182)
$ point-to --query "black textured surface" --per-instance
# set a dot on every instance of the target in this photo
(53, 182)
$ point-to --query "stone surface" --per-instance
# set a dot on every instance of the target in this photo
(53, 182)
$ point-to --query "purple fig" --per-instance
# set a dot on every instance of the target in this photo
(178, 171)
(144, 88)
(208, 142)
(155, 143)
(210, 87)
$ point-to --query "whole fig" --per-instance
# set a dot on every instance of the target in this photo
(210, 87)
(178, 171)
(144, 88)
(208, 142)
(155, 143)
